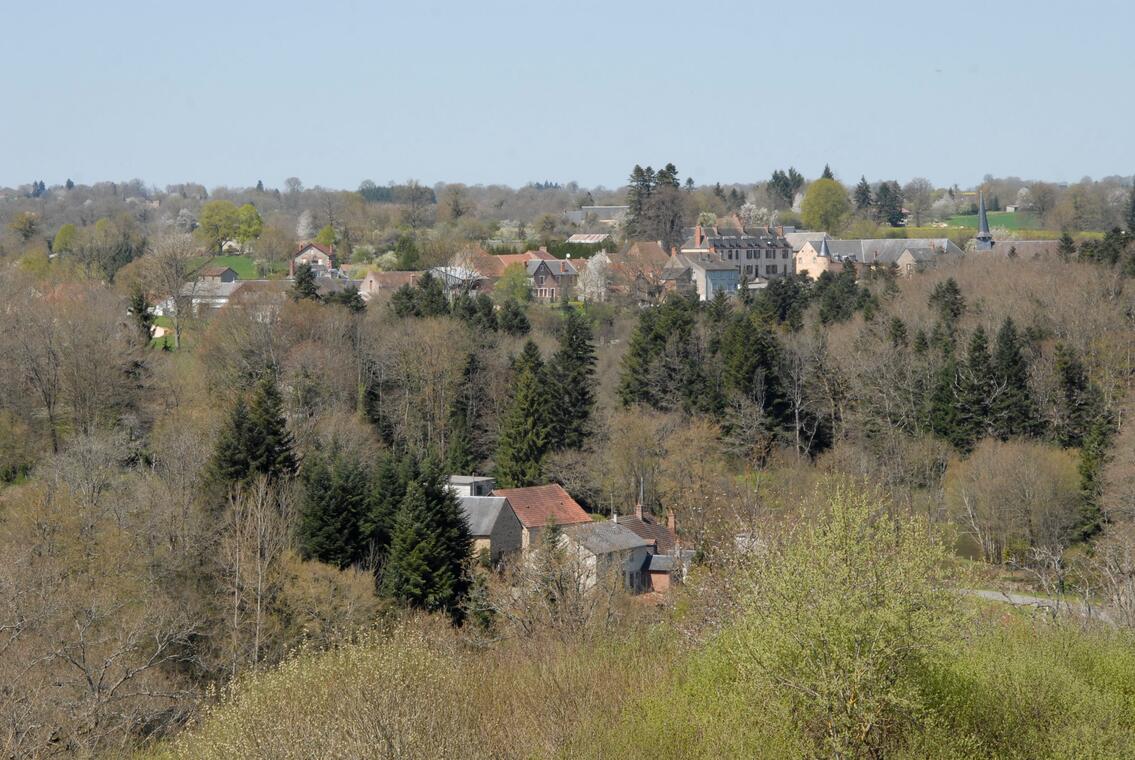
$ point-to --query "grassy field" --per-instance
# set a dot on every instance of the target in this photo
(244, 266)
(1003, 219)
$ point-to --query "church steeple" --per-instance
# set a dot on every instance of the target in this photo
(984, 239)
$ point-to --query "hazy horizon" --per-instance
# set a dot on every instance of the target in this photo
(510, 93)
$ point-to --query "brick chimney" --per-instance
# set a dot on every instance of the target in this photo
(638, 509)
(671, 521)
(698, 237)
(780, 230)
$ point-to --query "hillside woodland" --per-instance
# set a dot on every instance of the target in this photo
(244, 547)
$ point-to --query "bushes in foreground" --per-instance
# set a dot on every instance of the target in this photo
(850, 645)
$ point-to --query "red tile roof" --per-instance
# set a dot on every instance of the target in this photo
(537, 506)
(318, 246)
(649, 528)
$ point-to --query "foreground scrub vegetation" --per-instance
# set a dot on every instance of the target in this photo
(845, 640)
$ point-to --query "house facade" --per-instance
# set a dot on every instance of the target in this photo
(493, 526)
(471, 485)
(605, 549)
(908, 254)
(553, 280)
(321, 259)
(758, 254)
(705, 274)
(385, 282)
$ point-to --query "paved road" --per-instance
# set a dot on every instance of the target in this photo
(1040, 602)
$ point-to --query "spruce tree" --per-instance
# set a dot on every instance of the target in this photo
(429, 547)
(634, 387)
(572, 372)
(431, 300)
(140, 312)
(404, 302)
(1093, 455)
(269, 442)
(408, 574)
(975, 390)
(230, 455)
(943, 411)
(304, 286)
(948, 302)
(463, 452)
(1013, 411)
(1067, 248)
(827, 173)
(334, 501)
(1080, 404)
(513, 321)
(525, 431)
(388, 487)
(863, 200)
(751, 365)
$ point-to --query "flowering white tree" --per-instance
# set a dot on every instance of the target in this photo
(593, 278)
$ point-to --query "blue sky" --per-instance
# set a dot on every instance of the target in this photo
(225, 93)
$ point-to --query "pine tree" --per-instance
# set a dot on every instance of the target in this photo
(827, 174)
(334, 501)
(863, 200)
(304, 286)
(1013, 411)
(572, 372)
(463, 451)
(525, 431)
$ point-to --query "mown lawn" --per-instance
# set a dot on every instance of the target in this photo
(244, 266)
(1017, 221)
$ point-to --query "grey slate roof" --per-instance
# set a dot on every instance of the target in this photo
(888, 250)
(556, 267)
(481, 512)
(211, 288)
(606, 537)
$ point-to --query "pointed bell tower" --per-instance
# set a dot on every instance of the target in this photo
(984, 239)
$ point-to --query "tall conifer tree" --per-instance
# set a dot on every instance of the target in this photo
(572, 371)
(1013, 411)
(525, 436)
